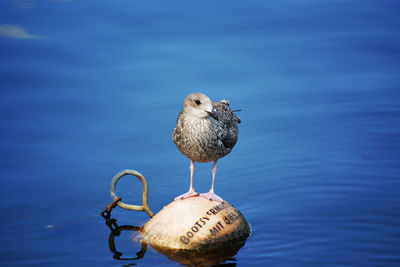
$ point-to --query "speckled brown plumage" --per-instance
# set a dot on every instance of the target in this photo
(207, 139)
(205, 131)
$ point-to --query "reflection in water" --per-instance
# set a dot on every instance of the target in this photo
(200, 258)
(184, 257)
(116, 231)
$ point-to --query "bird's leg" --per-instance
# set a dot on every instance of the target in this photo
(191, 188)
(191, 191)
(211, 195)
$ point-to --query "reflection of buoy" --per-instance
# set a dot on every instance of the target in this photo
(191, 224)
(196, 223)
(200, 258)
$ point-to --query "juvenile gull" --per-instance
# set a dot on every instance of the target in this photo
(205, 132)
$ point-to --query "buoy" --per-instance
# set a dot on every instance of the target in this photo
(196, 223)
(191, 224)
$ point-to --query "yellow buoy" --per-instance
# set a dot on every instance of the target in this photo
(191, 224)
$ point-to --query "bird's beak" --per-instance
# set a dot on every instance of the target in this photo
(213, 114)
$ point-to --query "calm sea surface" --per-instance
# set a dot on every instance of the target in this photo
(89, 88)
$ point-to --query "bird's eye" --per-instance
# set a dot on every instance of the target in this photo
(197, 102)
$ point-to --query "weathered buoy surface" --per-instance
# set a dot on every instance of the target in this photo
(196, 223)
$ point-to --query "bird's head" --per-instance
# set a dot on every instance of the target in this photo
(199, 105)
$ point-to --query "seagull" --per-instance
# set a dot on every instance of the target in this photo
(205, 132)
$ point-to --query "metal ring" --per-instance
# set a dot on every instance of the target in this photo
(145, 207)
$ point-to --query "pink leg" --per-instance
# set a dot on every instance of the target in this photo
(211, 195)
(191, 191)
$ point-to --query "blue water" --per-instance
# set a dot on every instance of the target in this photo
(91, 88)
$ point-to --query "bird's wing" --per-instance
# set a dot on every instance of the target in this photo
(228, 122)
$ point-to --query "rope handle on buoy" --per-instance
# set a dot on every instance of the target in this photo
(145, 207)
